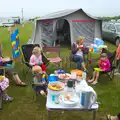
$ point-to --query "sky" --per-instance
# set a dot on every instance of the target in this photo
(32, 8)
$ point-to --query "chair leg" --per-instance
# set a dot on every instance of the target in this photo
(111, 75)
(1, 101)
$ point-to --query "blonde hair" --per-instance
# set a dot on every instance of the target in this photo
(104, 55)
(36, 50)
(36, 69)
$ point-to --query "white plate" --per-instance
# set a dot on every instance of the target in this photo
(65, 78)
(73, 101)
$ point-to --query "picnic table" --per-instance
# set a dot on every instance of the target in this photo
(51, 106)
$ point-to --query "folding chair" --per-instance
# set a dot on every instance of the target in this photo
(1, 98)
(27, 52)
(55, 60)
(110, 73)
(36, 84)
(1, 92)
(85, 56)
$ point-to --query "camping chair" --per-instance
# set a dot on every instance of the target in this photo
(55, 60)
(27, 52)
(6, 65)
(85, 55)
(36, 84)
(1, 92)
(1, 98)
(110, 73)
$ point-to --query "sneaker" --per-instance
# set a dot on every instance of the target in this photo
(117, 73)
(8, 98)
(109, 117)
(116, 70)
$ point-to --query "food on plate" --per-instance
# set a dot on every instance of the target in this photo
(64, 76)
(79, 73)
(68, 96)
(56, 86)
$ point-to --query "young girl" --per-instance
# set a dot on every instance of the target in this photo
(103, 66)
(36, 59)
(4, 83)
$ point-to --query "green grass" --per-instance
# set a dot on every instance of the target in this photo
(24, 108)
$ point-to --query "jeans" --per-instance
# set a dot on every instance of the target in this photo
(78, 60)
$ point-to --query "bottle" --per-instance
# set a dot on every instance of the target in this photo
(70, 85)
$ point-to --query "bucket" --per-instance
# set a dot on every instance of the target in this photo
(52, 78)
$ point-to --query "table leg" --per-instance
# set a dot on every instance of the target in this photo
(94, 115)
(48, 112)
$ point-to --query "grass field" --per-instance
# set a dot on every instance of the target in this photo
(24, 108)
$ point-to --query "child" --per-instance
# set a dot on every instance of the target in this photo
(4, 83)
(109, 117)
(104, 66)
(36, 58)
(40, 80)
(118, 59)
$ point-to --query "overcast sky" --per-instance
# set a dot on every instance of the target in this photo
(41, 7)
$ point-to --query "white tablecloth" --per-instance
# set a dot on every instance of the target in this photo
(50, 105)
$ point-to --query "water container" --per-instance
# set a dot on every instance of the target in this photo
(87, 97)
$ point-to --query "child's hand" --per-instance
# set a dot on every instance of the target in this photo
(44, 83)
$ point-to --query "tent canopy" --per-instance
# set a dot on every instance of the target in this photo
(80, 24)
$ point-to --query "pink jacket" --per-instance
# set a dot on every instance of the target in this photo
(105, 65)
(35, 60)
(118, 52)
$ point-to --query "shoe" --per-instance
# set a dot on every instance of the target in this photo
(21, 84)
(8, 98)
(109, 117)
(117, 73)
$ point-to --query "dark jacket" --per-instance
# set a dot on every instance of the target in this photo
(74, 49)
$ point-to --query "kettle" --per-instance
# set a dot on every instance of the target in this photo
(87, 97)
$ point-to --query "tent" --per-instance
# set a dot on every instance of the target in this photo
(66, 25)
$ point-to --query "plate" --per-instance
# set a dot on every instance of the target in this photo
(68, 100)
(64, 76)
(56, 86)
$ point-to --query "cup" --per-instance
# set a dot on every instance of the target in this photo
(53, 98)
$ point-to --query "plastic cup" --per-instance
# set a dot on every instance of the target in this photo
(53, 98)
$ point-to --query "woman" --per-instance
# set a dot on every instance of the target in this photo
(10, 72)
(77, 54)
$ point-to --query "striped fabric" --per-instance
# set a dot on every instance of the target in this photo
(85, 29)
(55, 60)
(47, 33)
